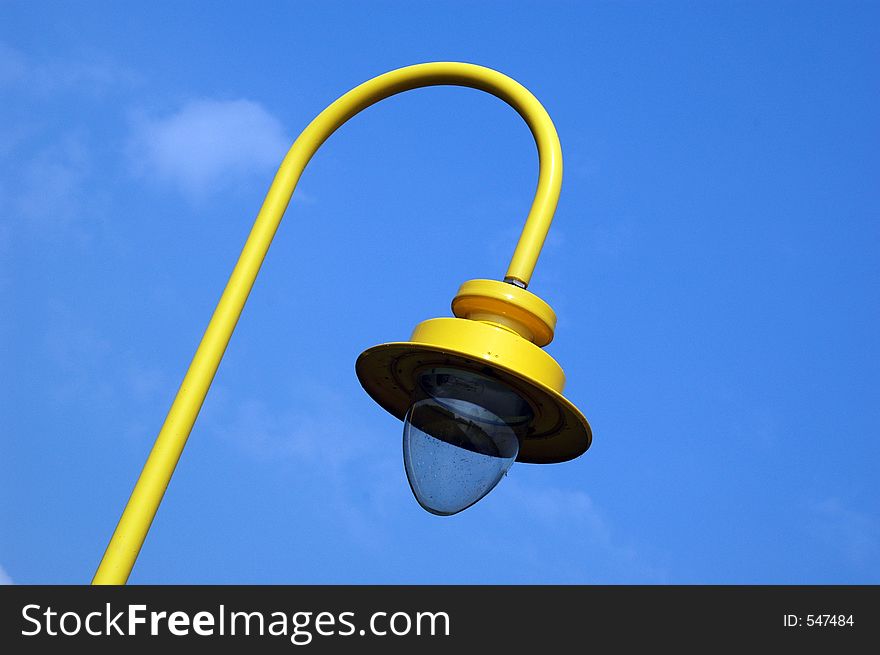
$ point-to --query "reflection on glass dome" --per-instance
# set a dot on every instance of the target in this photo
(460, 437)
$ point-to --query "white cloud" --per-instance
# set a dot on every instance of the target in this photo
(209, 144)
(4, 577)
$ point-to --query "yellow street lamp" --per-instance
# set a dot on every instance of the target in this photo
(476, 392)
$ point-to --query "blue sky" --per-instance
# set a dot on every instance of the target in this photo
(714, 263)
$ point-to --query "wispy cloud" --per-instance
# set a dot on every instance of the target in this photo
(553, 505)
(561, 535)
(564, 519)
(85, 361)
(93, 74)
(207, 145)
(856, 534)
(13, 65)
(325, 443)
(50, 169)
(4, 577)
(80, 356)
(51, 190)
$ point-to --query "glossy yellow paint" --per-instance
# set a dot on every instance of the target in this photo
(558, 432)
(126, 542)
(491, 344)
(506, 305)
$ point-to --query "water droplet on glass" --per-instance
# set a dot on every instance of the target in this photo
(461, 435)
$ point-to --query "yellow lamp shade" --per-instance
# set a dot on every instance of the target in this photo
(492, 347)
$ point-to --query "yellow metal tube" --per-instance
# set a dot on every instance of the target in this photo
(124, 546)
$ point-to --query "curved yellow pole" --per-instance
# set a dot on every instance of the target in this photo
(132, 529)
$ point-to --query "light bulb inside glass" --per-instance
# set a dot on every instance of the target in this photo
(460, 437)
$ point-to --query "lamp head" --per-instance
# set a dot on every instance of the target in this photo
(476, 393)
